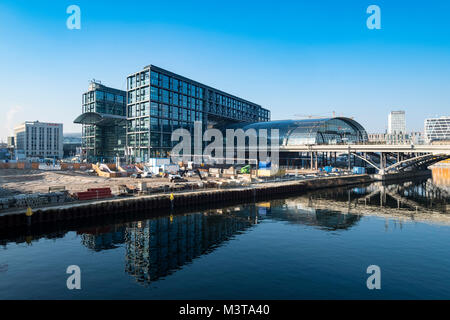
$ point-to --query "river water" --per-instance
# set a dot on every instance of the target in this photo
(314, 246)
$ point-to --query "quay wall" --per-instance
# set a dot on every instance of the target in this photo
(157, 204)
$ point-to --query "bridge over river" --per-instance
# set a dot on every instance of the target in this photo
(384, 158)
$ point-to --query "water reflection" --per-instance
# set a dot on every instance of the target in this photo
(441, 175)
(420, 200)
(296, 212)
(157, 247)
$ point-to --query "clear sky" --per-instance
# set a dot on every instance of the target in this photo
(293, 57)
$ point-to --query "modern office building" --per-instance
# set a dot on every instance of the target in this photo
(160, 101)
(437, 129)
(399, 138)
(396, 122)
(104, 123)
(39, 139)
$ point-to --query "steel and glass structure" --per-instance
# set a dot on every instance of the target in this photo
(160, 101)
(337, 130)
(437, 129)
(104, 123)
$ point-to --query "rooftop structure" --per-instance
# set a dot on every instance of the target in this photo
(337, 130)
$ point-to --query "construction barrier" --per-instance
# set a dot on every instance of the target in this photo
(36, 165)
(93, 194)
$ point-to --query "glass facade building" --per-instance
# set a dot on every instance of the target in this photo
(337, 130)
(104, 123)
(160, 101)
(437, 129)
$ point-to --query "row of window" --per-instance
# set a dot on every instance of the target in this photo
(108, 108)
(164, 96)
(156, 124)
(164, 111)
(99, 95)
(155, 139)
(165, 82)
(144, 154)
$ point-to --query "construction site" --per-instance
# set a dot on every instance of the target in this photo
(31, 185)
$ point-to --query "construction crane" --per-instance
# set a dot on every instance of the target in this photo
(318, 116)
(315, 116)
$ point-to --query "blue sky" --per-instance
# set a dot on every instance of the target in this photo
(293, 57)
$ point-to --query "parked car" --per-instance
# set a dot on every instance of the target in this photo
(176, 178)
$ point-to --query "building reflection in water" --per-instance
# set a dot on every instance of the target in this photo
(105, 238)
(299, 211)
(156, 248)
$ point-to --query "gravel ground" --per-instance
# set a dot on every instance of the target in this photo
(14, 181)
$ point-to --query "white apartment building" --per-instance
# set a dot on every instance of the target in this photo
(399, 138)
(39, 139)
(437, 129)
(396, 122)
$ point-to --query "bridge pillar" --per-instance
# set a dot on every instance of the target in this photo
(316, 160)
(348, 159)
(382, 162)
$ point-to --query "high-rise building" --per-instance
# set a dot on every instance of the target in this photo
(104, 119)
(396, 122)
(160, 101)
(437, 129)
(11, 142)
(39, 139)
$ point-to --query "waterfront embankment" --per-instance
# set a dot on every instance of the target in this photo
(172, 201)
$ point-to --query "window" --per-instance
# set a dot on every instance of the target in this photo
(131, 82)
(165, 111)
(175, 98)
(154, 78)
(175, 84)
(145, 78)
(131, 96)
(154, 93)
(154, 124)
(154, 109)
(155, 139)
(165, 96)
(165, 81)
(99, 95)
